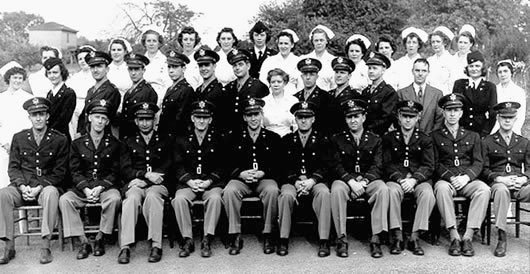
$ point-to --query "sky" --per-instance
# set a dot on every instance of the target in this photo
(104, 18)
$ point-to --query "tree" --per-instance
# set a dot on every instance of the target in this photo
(16, 24)
(161, 13)
(14, 44)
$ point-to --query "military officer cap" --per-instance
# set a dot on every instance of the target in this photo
(252, 105)
(379, 59)
(37, 104)
(453, 100)
(354, 106)
(304, 109)
(409, 107)
(202, 108)
(343, 63)
(474, 56)
(259, 27)
(309, 65)
(52, 62)
(507, 109)
(175, 58)
(205, 55)
(145, 110)
(98, 57)
(99, 107)
(237, 55)
(135, 60)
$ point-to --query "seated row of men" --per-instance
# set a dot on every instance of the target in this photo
(149, 167)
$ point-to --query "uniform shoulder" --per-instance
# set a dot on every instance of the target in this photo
(22, 133)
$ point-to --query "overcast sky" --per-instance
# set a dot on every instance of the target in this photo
(104, 18)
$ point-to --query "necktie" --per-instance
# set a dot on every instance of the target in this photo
(420, 95)
(507, 139)
(260, 54)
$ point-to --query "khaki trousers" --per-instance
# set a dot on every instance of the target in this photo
(152, 209)
(321, 206)
(378, 197)
(70, 203)
(476, 190)
(425, 202)
(501, 202)
(235, 190)
(212, 209)
(10, 198)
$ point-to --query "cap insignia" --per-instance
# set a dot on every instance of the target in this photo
(102, 102)
(351, 103)
(340, 60)
(452, 97)
(92, 54)
(172, 53)
(308, 61)
(252, 102)
(35, 100)
(508, 105)
(145, 106)
(234, 51)
(305, 105)
(202, 104)
(202, 52)
(132, 55)
(410, 104)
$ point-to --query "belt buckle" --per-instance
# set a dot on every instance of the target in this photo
(358, 168)
(95, 174)
(39, 171)
(457, 162)
(406, 163)
(508, 168)
(199, 170)
(149, 169)
(303, 171)
(255, 166)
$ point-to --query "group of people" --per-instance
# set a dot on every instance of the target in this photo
(288, 129)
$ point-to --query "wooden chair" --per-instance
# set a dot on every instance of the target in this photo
(26, 222)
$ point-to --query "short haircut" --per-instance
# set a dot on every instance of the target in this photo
(228, 30)
(278, 72)
(410, 36)
(188, 30)
(422, 60)
(47, 48)
(483, 71)
(12, 71)
(160, 38)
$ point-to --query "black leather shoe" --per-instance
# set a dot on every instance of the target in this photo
(467, 248)
(454, 248)
(500, 250)
(155, 256)
(206, 249)
(323, 249)
(85, 250)
(99, 247)
(414, 246)
(236, 245)
(125, 256)
(375, 250)
(187, 248)
(45, 256)
(8, 256)
(283, 247)
(397, 247)
(342, 248)
(268, 246)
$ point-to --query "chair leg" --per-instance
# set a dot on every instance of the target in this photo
(60, 232)
(517, 218)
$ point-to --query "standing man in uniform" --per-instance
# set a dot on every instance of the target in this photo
(381, 97)
(259, 35)
(459, 161)
(357, 169)
(310, 67)
(305, 160)
(408, 157)
(103, 89)
(255, 169)
(178, 98)
(95, 168)
(199, 176)
(431, 117)
(140, 91)
(343, 68)
(506, 168)
(37, 168)
(211, 89)
(244, 87)
(146, 158)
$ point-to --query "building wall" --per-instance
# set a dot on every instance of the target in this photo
(59, 39)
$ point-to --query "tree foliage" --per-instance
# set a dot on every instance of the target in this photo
(162, 13)
(14, 38)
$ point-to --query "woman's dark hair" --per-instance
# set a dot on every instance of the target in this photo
(506, 64)
(278, 72)
(188, 30)
(286, 34)
(119, 42)
(358, 42)
(160, 38)
(410, 36)
(386, 39)
(229, 30)
(12, 71)
(62, 69)
(468, 35)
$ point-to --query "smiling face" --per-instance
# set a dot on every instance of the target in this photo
(54, 75)
(207, 70)
(145, 125)
(253, 120)
(475, 69)
(342, 77)
(355, 121)
(117, 52)
(226, 40)
(15, 81)
(506, 123)
(39, 119)
(241, 68)
(188, 41)
(98, 122)
(201, 123)
(99, 71)
(355, 53)
(81, 61)
(285, 45)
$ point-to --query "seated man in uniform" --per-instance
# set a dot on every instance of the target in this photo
(408, 157)
(38, 162)
(506, 168)
(357, 169)
(145, 159)
(95, 168)
(254, 169)
(458, 158)
(305, 161)
(199, 176)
